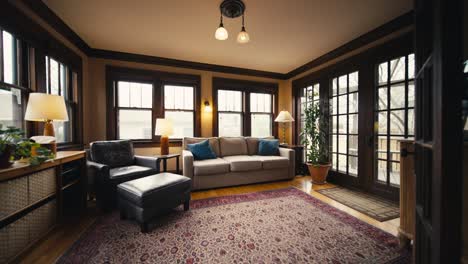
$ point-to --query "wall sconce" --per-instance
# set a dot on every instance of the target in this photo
(208, 108)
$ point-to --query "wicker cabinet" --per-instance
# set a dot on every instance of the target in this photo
(32, 200)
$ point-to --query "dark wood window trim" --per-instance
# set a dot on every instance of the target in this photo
(158, 79)
(246, 87)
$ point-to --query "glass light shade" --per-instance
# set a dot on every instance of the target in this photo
(164, 127)
(221, 33)
(243, 37)
(43, 107)
(284, 117)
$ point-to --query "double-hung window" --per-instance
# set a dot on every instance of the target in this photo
(244, 108)
(179, 107)
(138, 97)
(12, 91)
(62, 81)
(134, 110)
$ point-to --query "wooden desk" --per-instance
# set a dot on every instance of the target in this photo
(34, 199)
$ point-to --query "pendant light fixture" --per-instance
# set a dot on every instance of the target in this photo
(221, 33)
(232, 9)
(243, 36)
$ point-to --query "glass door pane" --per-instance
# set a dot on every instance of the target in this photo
(394, 116)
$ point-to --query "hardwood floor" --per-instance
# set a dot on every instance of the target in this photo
(59, 240)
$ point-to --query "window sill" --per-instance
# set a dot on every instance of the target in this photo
(156, 144)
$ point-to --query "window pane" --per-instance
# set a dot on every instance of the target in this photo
(342, 124)
(334, 105)
(397, 96)
(63, 81)
(54, 77)
(382, 171)
(146, 95)
(135, 124)
(334, 161)
(229, 125)
(9, 58)
(11, 112)
(381, 147)
(397, 69)
(397, 122)
(411, 94)
(353, 145)
(334, 146)
(229, 100)
(334, 123)
(382, 100)
(383, 73)
(343, 104)
(261, 125)
(395, 173)
(342, 143)
(342, 163)
(182, 123)
(260, 102)
(411, 69)
(410, 122)
(342, 84)
(382, 122)
(353, 102)
(353, 165)
(353, 124)
(334, 86)
(353, 81)
(124, 94)
(135, 95)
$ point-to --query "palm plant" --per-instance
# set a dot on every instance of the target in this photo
(9, 137)
(314, 135)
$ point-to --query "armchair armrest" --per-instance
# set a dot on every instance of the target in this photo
(187, 163)
(97, 171)
(146, 161)
(291, 155)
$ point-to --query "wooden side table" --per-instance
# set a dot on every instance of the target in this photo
(164, 159)
(299, 150)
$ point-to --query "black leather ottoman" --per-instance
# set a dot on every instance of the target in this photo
(143, 199)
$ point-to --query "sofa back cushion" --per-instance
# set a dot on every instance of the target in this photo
(214, 143)
(231, 146)
(114, 153)
(252, 144)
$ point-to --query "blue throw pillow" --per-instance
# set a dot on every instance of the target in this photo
(202, 150)
(268, 147)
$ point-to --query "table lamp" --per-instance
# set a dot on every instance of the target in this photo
(284, 117)
(164, 129)
(46, 108)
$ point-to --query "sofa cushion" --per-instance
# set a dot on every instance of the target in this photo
(210, 166)
(244, 163)
(214, 143)
(129, 172)
(252, 144)
(114, 153)
(268, 147)
(231, 146)
(202, 150)
(273, 162)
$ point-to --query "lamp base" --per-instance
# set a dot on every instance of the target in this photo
(49, 128)
(164, 145)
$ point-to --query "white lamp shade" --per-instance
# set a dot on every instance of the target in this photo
(221, 33)
(243, 37)
(43, 107)
(163, 127)
(284, 117)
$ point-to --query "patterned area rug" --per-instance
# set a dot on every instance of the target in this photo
(280, 226)
(368, 204)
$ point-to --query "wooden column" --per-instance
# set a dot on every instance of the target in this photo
(407, 193)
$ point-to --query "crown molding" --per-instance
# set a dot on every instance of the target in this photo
(44, 12)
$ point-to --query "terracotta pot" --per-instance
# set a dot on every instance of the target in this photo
(318, 172)
(5, 157)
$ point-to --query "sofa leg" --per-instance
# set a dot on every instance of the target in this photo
(186, 205)
(144, 227)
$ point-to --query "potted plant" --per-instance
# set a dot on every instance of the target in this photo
(8, 139)
(314, 137)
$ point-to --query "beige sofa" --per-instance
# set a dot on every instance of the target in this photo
(237, 163)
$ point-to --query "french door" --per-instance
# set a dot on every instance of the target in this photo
(393, 120)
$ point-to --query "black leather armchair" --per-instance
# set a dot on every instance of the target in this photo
(110, 163)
